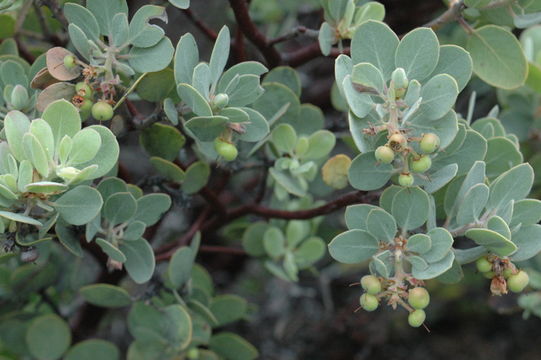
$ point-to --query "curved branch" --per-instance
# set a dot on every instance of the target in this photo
(268, 213)
(308, 53)
(248, 28)
(205, 29)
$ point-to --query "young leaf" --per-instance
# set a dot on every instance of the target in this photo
(220, 54)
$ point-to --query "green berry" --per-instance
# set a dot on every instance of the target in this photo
(83, 89)
(369, 302)
(429, 143)
(517, 282)
(193, 354)
(405, 179)
(397, 142)
(221, 100)
(102, 111)
(418, 298)
(384, 154)
(69, 61)
(416, 318)
(421, 164)
(225, 149)
(85, 109)
(483, 265)
(507, 272)
(371, 284)
(489, 274)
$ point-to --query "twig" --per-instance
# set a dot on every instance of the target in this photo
(268, 213)
(308, 53)
(56, 10)
(453, 13)
(238, 46)
(207, 194)
(167, 250)
(130, 89)
(246, 25)
(211, 34)
(221, 250)
(293, 34)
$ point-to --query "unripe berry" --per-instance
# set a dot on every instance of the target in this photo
(85, 109)
(86, 105)
(69, 61)
(369, 302)
(405, 179)
(489, 274)
(429, 143)
(421, 164)
(416, 318)
(384, 154)
(83, 89)
(517, 282)
(399, 78)
(483, 265)
(418, 298)
(221, 100)
(102, 111)
(507, 272)
(371, 284)
(193, 354)
(397, 142)
(225, 149)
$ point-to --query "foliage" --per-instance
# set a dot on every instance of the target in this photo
(237, 156)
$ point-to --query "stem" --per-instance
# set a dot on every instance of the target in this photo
(166, 251)
(130, 89)
(248, 28)
(57, 12)
(222, 250)
(205, 29)
(453, 13)
(294, 33)
(268, 213)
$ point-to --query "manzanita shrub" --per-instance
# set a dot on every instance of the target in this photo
(236, 156)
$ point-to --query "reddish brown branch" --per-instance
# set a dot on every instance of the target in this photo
(238, 46)
(210, 33)
(166, 251)
(221, 250)
(267, 213)
(248, 28)
(308, 53)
